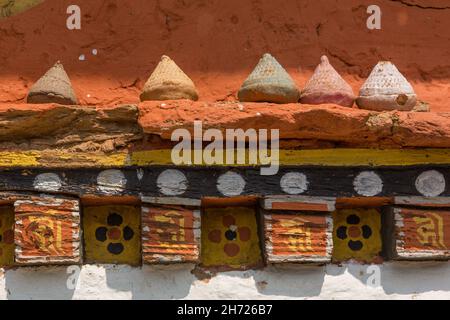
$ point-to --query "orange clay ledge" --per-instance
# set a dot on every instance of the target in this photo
(340, 126)
(129, 128)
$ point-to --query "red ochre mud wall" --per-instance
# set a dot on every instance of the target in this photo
(218, 43)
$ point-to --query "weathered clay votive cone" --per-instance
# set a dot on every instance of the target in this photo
(269, 82)
(327, 86)
(53, 87)
(168, 82)
(386, 89)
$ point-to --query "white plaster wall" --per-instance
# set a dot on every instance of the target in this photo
(419, 280)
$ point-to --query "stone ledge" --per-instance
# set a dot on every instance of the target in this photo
(73, 128)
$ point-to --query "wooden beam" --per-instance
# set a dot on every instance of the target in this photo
(197, 183)
(299, 203)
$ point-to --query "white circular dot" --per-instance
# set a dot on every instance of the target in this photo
(47, 182)
(230, 184)
(111, 181)
(294, 183)
(172, 182)
(368, 184)
(430, 183)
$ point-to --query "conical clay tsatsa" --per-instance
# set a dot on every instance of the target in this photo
(327, 86)
(168, 82)
(386, 89)
(269, 82)
(53, 87)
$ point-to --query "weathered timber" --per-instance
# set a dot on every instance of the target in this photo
(170, 234)
(298, 203)
(418, 234)
(419, 201)
(297, 237)
(196, 183)
(6, 236)
(47, 230)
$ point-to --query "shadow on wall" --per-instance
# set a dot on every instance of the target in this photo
(395, 278)
(158, 282)
(177, 282)
(45, 283)
(410, 278)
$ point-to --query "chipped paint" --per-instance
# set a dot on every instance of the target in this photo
(230, 238)
(47, 231)
(112, 234)
(297, 237)
(357, 235)
(421, 234)
(324, 157)
(6, 236)
(171, 234)
(296, 203)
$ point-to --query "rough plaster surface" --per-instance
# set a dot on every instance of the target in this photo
(420, 280)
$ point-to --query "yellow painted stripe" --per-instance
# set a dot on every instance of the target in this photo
(324, 157)
(363, 157)
(19, 159)
(327, 157)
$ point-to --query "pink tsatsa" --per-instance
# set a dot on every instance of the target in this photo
(327, 86)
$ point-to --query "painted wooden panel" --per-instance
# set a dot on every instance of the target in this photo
(299, 203)
(421, 234)
(298, 237)
(170, 234)
(357, 235)
(47, 231)
(189, 184)
(417, 201)
(230, 238)
(6, 236)
(112, 234)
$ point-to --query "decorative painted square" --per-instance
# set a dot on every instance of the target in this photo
(170, 234)
(230, 238)
(6, 236)
(357, 235)
(112, 234)
(422, 234)
(47, 231)
(298, 237)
